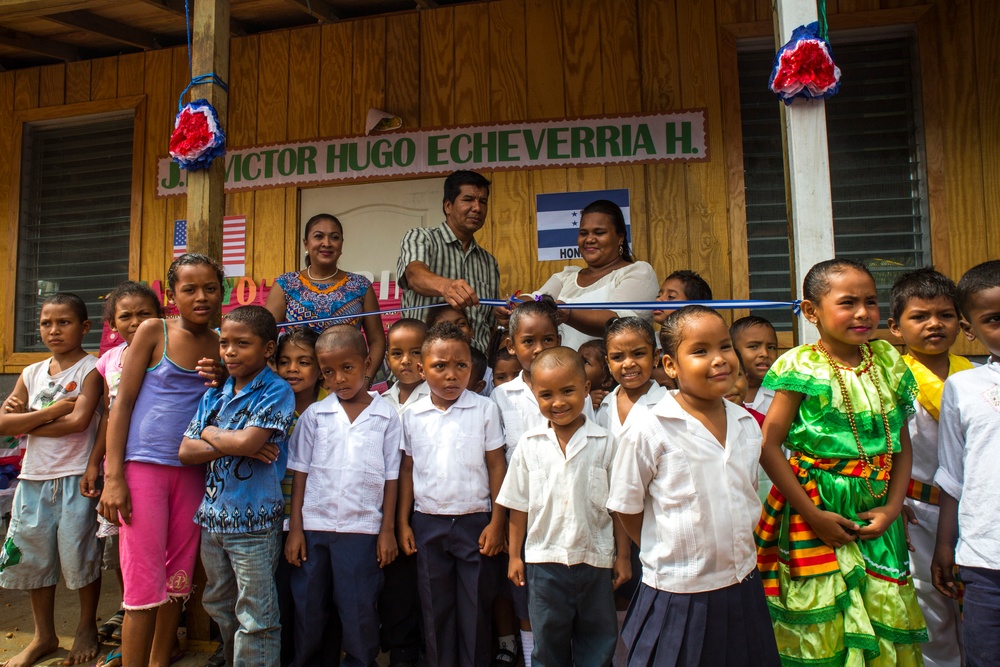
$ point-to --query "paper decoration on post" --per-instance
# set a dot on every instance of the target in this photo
(381, 121)
(804, 67)
(558, 216)
(198, 137)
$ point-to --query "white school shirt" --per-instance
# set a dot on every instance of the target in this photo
(392, 396)
(969, 461)
(565, 496)
(348, 464)
(762, 400)
(449, 453)
(60, 456)
(697, 498)
(519, 411)
(607, 413)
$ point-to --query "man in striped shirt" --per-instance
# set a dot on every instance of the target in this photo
(445, 263)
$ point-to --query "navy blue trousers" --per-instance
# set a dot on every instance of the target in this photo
(457, 585)
(346, 565)
(573, 618)
(981, 616)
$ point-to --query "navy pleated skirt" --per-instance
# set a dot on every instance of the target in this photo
(726, 627)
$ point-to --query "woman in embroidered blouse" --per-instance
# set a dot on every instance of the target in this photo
(611, 274)
(323, 290)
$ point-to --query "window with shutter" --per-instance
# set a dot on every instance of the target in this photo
(876, 169)
(73, 233)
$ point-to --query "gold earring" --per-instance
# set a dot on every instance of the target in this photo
(621, 248)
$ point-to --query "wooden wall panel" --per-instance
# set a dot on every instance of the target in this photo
(272, 127)
(437, 67)
(241, 129)
(26, 83)
(78, 81)
(471, 66)
(303, 118)
(160, 110)
(104, 78)
(335, 79)
(52, 85)
(986, 19)
(665, 194)
(8, 238)
(130, 74)
(368, 85)
(180, 77)
(402, 67)
(582, 45)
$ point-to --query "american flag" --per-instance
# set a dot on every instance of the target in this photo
(234, 243)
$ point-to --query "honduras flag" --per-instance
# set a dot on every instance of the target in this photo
(558, 217)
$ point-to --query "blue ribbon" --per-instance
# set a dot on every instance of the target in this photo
(731, 304)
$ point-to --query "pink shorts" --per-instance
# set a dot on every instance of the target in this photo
(158, 549)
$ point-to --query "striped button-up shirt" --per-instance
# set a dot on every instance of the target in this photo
(442, 252)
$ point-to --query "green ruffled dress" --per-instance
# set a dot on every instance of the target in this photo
(867, 613)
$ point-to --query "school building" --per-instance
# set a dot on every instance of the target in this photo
(89, 94)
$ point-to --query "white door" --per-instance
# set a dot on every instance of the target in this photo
(375, 217)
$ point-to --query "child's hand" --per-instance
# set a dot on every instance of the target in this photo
(268, 453)
(597, 397)
(407, 542)
(622, 570)
(515, 571)
(88, 483)
(61, 408)
(295, 547)
(387, 549)
(943, 571)
(833, 529)
(14, 405)
(116, 502)
(213, 371)
(879, 519)
(908, 518)
(491, 540)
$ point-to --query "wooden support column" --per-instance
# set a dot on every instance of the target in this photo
(807, 167)
(205, 196)
(206, 200)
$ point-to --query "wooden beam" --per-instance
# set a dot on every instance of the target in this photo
(176, 7)
(39, 45)
(318, 9)
(33, 9)
(426, 4)
(113, 30)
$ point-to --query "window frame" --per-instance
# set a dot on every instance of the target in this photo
(917, 21)
(14, 362)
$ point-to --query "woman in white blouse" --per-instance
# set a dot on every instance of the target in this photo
(611, 275)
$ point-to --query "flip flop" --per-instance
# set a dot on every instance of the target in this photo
(109, 627)
(115, 654)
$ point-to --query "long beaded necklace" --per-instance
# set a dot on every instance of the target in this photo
(866, 366)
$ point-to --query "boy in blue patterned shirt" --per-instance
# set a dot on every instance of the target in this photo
(241, 430)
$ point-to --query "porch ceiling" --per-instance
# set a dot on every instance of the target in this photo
(43, 32)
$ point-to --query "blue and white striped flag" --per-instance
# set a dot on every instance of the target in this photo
(558, 216)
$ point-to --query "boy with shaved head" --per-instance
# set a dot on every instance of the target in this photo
(556, 490)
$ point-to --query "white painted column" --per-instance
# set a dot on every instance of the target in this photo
(808, 168)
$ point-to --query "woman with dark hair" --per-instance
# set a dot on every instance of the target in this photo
(611, 274)
(323, 290)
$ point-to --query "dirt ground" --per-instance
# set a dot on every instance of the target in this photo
(16, 625)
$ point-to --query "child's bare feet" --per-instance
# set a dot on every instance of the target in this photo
(85, 647)
(33, 652)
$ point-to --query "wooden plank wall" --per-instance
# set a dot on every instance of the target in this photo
(509, 60)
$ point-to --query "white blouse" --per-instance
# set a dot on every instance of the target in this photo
(696, 496)
(607, 413)
(633, 282)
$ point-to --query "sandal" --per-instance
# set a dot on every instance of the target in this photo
(115, 654)
(108, 628)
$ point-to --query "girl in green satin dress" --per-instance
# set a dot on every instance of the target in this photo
(833, 556)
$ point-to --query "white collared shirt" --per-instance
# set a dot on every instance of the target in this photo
(520, 413)
(697, 497)
(761, 400)
(392, 396)
(449, 448)
(348, 464)
(565, 496)
(969, 464)
(607, 413)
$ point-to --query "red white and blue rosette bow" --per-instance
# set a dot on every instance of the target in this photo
(198, 137)
(804, 67)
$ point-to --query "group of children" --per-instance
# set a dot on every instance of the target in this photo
(621, 476)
